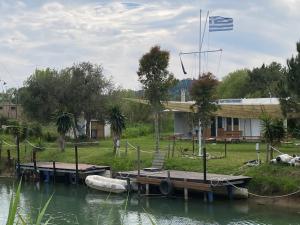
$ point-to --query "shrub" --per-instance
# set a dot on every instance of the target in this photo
(137, 130)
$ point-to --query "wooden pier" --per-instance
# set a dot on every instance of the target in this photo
(185, 180)
(70, 172)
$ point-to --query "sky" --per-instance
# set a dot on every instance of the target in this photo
(57, 34)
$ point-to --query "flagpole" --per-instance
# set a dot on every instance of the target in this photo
(199, 122)
(200, 35)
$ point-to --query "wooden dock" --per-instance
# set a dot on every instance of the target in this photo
(71, 172)
(187, 181)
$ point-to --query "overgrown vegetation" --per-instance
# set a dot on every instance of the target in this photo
(285, 178)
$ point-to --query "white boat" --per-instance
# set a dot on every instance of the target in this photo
(106, 184)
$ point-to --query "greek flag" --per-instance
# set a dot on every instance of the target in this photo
(219, 23)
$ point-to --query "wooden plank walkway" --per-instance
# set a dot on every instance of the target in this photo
(185, 180)
(188, 176)
(64, 167)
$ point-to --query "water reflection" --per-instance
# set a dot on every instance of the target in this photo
(79, 205)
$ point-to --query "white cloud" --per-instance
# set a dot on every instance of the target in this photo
(116, 34)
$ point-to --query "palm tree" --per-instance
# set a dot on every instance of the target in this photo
(117, 122)
(64, 123)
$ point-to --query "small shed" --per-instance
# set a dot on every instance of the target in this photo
(99, 129)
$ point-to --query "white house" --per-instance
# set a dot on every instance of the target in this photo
(235, 118)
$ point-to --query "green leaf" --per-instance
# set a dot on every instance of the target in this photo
(14, 206)
(41, 214)
(149, 217)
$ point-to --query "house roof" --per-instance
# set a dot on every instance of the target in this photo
(238, 108)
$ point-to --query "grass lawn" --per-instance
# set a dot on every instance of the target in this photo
(267, 179)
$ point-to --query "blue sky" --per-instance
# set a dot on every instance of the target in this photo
(56, 34)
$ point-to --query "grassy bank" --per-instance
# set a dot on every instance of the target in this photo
(267, 179)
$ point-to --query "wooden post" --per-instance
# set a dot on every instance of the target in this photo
(139, 168)
(126, 147)
(173, 147)
(8, 157)
(204, 164)
(0, 149)
(76, 164)
(18, 156)
(54, 171)
(193, 144)
(186, 194)
(147, 189)
(225, 148)
(34, 158)
(169, 149)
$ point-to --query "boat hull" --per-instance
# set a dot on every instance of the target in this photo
(106, 184)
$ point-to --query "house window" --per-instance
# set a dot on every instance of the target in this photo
(235, 124)
(229, 124)
(235, 121)
(1, 107)
(220, 122)
(13, 107)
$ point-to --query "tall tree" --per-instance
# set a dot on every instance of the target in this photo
(91, 89)
(203, 92)
(156, 80)
(80, 90)
(39, 96)
(264, 80)
(117, 121)
(289, 88)
(234, 85)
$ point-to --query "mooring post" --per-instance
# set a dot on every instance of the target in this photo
(225, 149)
(18, 156)
(126, 147)
(54, 171)
(193, 144)
(76, 164)
(169, 149)
(210, 196)
(173, 148)
(8, 157)
(186, 193)
(0, 149)
(139, 168)
(34, 159)
(230, 192)
(204, 164)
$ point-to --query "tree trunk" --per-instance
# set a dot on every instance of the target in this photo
(156, 127)
(87, 129)
(267, 153)
(61, 142)
(74, 127)
(115, 145)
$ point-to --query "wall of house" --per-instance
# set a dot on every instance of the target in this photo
(11, 111)
(250, 127)
(107, 130)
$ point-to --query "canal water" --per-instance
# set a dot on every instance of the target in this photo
(79, 205)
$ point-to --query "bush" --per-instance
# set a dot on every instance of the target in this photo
(49, 137)
(138, 130)
(35, 130)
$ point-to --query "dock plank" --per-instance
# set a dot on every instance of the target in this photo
(63, 166)
(189, 176)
